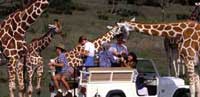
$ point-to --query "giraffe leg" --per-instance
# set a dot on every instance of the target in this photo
(39, 77)
(20, 79)
(11, 77)
(175, 68)
(197, 85)
(30, 75)
(191, 75)
(170, 65)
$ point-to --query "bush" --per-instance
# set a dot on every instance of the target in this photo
(181, 16)
(79, 7)
(127, 13)
(102, 15)
(61, 6)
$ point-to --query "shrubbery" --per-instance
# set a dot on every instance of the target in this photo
(61, 6)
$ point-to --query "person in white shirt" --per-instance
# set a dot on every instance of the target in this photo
(89, 51)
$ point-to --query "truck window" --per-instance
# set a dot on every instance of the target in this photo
(145, 66)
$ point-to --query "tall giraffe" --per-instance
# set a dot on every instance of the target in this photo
(171, 47)
(34, 60)
(73, 56)
(12, 38)
(186, 31)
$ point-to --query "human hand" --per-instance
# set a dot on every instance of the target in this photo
(123, 52)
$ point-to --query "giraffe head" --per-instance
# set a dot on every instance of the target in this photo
(125, 27)
(119, 31)
(56, 28)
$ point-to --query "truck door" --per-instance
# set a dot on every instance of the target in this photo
(147, 78)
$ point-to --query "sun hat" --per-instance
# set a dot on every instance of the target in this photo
(61, 46)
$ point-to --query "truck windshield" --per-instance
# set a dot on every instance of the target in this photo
(145, 66)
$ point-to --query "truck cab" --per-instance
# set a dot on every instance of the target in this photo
(123, 82)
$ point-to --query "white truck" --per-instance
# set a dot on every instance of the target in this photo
(121, 82)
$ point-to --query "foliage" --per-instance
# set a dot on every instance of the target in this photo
(181, 16)
(79, 7)
(61, 6)
(8, 7)
(126, 12)
(102, 15)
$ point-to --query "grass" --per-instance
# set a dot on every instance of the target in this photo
(86, 22)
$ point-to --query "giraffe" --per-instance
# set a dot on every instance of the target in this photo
(12, 38)
(34, 59)
(187, 31)
(73, 56)
(171, 47)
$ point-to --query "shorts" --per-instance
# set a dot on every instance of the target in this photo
(68, 73)
(89, 61)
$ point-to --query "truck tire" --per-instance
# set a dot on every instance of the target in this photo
(117, 95)
(182, 93)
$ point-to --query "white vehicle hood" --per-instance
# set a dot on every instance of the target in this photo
(171, 81)
(168, 86)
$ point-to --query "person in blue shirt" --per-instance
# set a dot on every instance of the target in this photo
(63, 70)
(118, 50)
(105, 56)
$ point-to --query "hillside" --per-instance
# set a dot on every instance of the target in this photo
(90, 18)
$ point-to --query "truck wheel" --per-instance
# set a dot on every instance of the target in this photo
(182, 93)
(117, 95)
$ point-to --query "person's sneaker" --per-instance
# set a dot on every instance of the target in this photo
(59, 93)
(59, 90)
(68, 95)
(65, 93)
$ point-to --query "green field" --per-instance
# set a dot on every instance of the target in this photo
(87, 23)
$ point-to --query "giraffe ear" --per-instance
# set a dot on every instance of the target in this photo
(120, 24)
(109, 27)
(51, 26)
(133, 19)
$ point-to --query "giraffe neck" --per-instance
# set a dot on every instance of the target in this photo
(73, 55)
(22, 19)
(97, 42)
(169, 30)
(31, 13)
(41, 43)
(104, 38)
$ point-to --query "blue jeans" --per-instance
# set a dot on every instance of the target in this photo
(89, 61)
